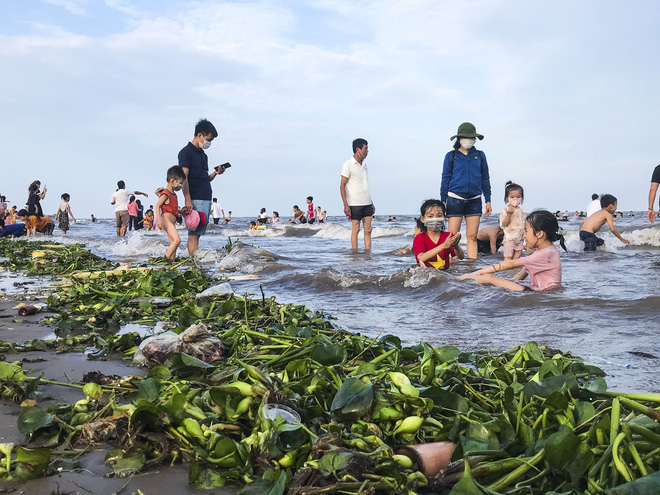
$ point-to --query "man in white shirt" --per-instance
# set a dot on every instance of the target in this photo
(120, 200)
(355, 193)
(216, 211)
(594, 206)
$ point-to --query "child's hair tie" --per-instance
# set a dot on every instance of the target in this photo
(560, 231)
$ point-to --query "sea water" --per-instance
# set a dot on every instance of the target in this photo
(607, 312)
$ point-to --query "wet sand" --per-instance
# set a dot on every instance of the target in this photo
(85, 474)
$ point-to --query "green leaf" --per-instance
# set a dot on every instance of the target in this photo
(93, 391)
(334, 461)
(561, 447)
(534, 352)
(585, 411)
(11, 372)
(353, 399)
(31, 463)
(227, 454)
(125, 463)
(446, 353)
(466, 486)
(556, 401)
(446, 399)
(597, 386)
(32, 419)
(149, 389)
(160, 371)
(478, 437)
(646, 485)
(280, 486)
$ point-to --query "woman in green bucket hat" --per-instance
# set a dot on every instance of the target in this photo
(465, 179)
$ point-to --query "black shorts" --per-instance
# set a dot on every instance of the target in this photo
(311, 221)
(591, 242)
(360, 212)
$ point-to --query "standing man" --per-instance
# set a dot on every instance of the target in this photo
(120, 200)
(197, 186)
(355, 193)
(655, 181)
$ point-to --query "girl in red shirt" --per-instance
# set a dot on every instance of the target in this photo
(434, 247)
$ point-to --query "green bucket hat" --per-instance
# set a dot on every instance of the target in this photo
(466, 130)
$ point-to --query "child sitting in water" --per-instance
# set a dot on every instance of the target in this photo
(590, 225)
(433, 247)
(253, 225)
(544, 265)
(512, 221)
(167, 209)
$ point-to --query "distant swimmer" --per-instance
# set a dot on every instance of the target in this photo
(589, 226)
(298, 214)
(94, 219)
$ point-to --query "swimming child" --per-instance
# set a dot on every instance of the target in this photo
(512, 221)
(433, 247)
(63, 214)
(253, 225)
(94, 219)
(167, 209)
(275, 218)
(228, 218)
(298, 214)
(544, 265)
(590, 225)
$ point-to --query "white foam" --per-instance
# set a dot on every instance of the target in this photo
(343, 232)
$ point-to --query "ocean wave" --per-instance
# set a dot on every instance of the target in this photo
(336, 231)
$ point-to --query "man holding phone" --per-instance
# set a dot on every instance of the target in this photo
(197, 186)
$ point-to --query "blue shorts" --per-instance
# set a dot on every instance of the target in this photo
(204, 206)
(463, 207)
(590, 240)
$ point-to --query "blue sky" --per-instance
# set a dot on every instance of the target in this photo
(96, 91)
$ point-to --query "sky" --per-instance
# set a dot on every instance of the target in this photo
(95, 91)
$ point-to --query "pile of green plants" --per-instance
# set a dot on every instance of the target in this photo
(528, 420)
(40, 258)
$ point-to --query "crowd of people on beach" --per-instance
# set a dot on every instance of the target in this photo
(465, 181)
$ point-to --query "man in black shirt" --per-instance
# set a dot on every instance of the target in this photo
(655, 181)
(197, 187)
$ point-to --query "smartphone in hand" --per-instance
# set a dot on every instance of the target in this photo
(225, 165)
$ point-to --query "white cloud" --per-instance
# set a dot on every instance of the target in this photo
(76, 7)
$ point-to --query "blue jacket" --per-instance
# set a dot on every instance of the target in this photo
(467, 176)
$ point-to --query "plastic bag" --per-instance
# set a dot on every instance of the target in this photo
(195, 341)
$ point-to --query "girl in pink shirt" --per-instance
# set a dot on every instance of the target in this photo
(544, 265)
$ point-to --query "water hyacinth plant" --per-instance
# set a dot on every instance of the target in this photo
(527, 420)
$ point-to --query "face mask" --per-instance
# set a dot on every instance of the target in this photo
(435, 224)
(178, 187)
(467, 143)
(514, 202)
(206, 145)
